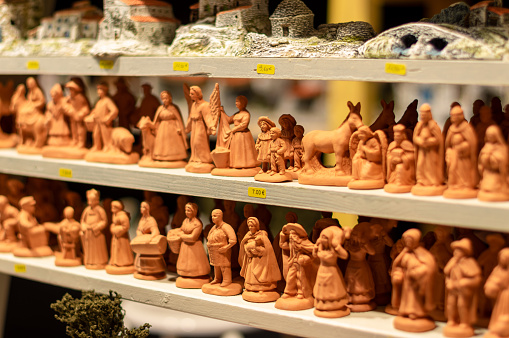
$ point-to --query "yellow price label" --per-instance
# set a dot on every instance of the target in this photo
(106, 64)
(257, 192)
(181, 66)
(20, 268)
(266, 69)
(394, 68)
(33, 65)
(63, 172)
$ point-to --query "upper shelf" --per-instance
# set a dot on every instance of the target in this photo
(376, 203)
(373, 70)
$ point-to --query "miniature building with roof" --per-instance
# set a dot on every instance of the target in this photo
(150, 21)
(81, 21)
(13, 19)
(488, 14)
(292, 18)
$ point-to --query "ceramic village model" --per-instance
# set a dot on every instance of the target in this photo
(33, 236)
(192, 264)
(121, 255)
(493, 166)
(9, 225)
(235, 153)
(93, 225)
(400, 163)
(69, 240)
(164, 139)
(149, 246)
(220, 240)
(317, 142)
(497, 288)
(277, 148)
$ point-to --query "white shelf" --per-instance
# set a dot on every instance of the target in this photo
(377, 203)
(417, 71)
(165, 294)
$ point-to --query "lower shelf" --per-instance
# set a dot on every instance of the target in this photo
(165, 294)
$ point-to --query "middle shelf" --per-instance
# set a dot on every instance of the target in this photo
(469, 213)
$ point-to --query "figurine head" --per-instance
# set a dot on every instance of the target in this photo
(195, 93)
(399, 133)
(495, 241)
(182, 201)
(121, 84)
(462, 248)
(156, 201)
(191, 210)
(503, 258)
(425, 113)
(229, 205)
(93, 197)
(265, 123)
(166, 98)
(496, 104)
(411, 238)
(477, 106)
(275, 133)
(31, 83)
(56, 92)
(248, 210)
(457, 115)
(298, 130)
(68, 213)
(3, 202)
(485, 114)
(28, 204)
(145, 208)
(241, 102)
(291, 217)
(442, 233)
(287, 122)
(117, 206)
(147, 89)
(217, 216)
(103, 89)
(365, 133)
(253, 224)
(494, 135)
(73, 87)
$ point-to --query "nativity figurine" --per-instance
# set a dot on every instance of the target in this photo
(263, 141)
(497, 288)
(6, 93)
(93, 238)
(69, 241)
(77, 108)
(277, 172)
(8, 225)
(121, 255)
(298, 152)
(493, 167)
(400, 163)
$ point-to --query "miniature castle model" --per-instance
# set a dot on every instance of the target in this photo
(78, 22)
(488, 13)
(150, 21)
(293, 19)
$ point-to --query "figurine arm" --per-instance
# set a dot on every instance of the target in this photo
(112, 112)
(282, 147)
(80, 114)
(244, 122)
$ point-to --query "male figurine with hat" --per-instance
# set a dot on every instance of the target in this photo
(77, 108)
(101, 119)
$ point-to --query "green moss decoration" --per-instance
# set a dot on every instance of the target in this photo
(95, 315)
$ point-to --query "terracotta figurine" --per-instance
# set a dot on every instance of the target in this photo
(476, 107)
(125, 101)
(337, 141)
(493, 167)
(77, 109)
(168, 148)
(461, 157)
(176, 222)
(263, 141)
(497, 288)
(380, 261)
(486, 120)
(93, 224)
(504, 125)
(368, 159)
(69, 240)
(6, 92)
(277, 148)
(301, 273)
(442, 252)
(462, 280)
(200, 125)
(288, 124)
(298, 153)
(487, 262)
(35, 94)
(220, 240)
(331, 297)
(148, 106)
(192, 265)
(429, 154)
(413, 276)
(34, 239)
(283, 254)
(400, 163)
(259, 265)
(8, 225)
(149, 246)
(121, 255)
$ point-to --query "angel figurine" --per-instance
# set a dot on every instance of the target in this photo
(368, 151)
(235, 153)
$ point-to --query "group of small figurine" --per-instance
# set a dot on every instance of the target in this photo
(418, 286)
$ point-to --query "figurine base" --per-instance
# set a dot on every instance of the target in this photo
(61, 261)
(66, 152)
(232, 172)
(8, 141)
(199, 168)
(120, 270)
(486, 196)
(7, 246)
(413, 325)
(458, 330)
(192, 282)
(432, 190)
(216, 289)
(325, 177)
(276, 178)
(397, 189)
(332, 314)
(95, 266)
(391, 310)
(41, 251)
(492, 335)
(460, 193)
(112, 157)
(438, 315)
(148, 162)
(294, 303)
(152, 276)
(30, 150)
(260, 296)
(366, 184)
(362, 307)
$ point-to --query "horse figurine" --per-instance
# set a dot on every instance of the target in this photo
(30, 123)
(337, 141)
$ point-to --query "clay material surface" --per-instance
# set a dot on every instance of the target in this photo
(400, 163)
(493, 167)
(121, 255)
(93, 224)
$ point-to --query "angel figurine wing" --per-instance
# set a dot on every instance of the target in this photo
(382, 140)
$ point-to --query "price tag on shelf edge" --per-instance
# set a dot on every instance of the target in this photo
(64, 172)
(33, 65)
(395, 68)
(180, 66)
(20, 268)
(266, 69)
(106, 64)
(257, 192)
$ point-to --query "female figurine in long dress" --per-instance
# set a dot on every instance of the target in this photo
(58, 130)
(93, 223)
(259, 265)
(263, 141)
(121, 260)
(493, 162)
(330, 294)
(192, 264)
(170, 142)
(497, 287)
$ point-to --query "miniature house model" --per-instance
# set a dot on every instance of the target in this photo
(78, 22)
(13, 23)
(150, 21)
(293, 19)
(488, 13)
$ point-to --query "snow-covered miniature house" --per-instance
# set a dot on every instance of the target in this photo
(293, 19)
(13, 19)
